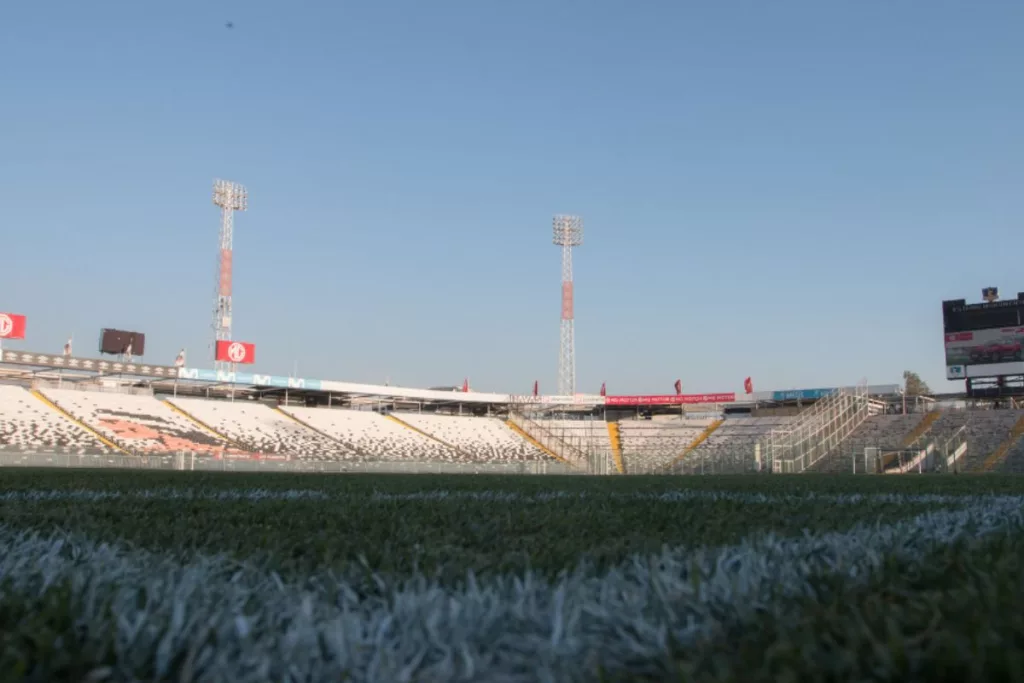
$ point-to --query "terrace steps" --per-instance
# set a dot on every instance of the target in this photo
(202, 425)
(521, 432)
(305, 425)
(430, 436)
(110, 443)
(922, 428)
(700, 438)
(999, 455)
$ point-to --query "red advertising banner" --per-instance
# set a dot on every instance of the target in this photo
(12, 326)
(683, 399)
(236, 352)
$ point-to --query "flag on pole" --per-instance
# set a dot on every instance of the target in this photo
(536, 387)
(128, 352)
(67, 348)
(179, 362)
(679, 387)
(748, 385)
(604, 390)
(465, 386)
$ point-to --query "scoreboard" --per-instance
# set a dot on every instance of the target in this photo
(984, 340)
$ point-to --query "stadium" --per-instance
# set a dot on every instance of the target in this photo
(175, 521)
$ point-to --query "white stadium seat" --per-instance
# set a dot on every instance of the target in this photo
(372, 435)
(260, 429)
(28, 424)
(478, 439)
(652, 445)
(139, 424)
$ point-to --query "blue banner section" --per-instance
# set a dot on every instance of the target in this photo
(801, 394)
(249, 379)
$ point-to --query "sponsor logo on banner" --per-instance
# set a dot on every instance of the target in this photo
(682, 399)
(12, 326)
(956, 372)
(236, 352)
(801, 394)
(577, 400)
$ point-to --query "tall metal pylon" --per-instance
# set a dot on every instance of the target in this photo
(230, 197)
(568, 233)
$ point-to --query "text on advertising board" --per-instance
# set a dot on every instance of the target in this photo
(682, 399)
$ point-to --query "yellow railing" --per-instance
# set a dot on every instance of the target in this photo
(701, 438)
(997, 456)
(202, 425)
(616, 440)
(521, 432)
(429, 436)
(920, 430)
(104, 440)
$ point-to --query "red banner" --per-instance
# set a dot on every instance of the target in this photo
(236, 352)
(748, 385)
(683, 399)
(12, 326)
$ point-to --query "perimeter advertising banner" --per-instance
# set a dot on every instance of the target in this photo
(995, 346)
(669, 399)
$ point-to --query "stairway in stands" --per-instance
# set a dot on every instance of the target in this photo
(616, 440)
(701, 438)
(547, 441)
(998, 457)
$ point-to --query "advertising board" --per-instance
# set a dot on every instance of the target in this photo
(12, 326)
(1002, 346)
(669, 399)
(236, 352)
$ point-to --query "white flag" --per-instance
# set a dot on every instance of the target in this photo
(180, 360)
(128, 353)
(67, 348)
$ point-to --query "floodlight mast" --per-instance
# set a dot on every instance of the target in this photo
(568, 233)
(230, 197)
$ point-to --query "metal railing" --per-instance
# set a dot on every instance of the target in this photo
(818, 432)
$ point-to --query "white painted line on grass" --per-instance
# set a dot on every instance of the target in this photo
(691, 495)
(231, 622)
(97, 495)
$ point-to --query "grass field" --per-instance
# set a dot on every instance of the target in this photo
(218, 577)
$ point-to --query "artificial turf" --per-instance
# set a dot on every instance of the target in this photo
(936, 603)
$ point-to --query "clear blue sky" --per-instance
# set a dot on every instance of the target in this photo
(785, 190)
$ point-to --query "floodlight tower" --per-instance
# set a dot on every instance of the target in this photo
(230, 197)
(568, 233)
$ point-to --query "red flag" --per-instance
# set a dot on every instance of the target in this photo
(604, 391)
(748, 385)
(465, 386)
(536, 387)
(679, 387)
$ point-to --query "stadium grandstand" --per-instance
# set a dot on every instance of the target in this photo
(83, 412)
